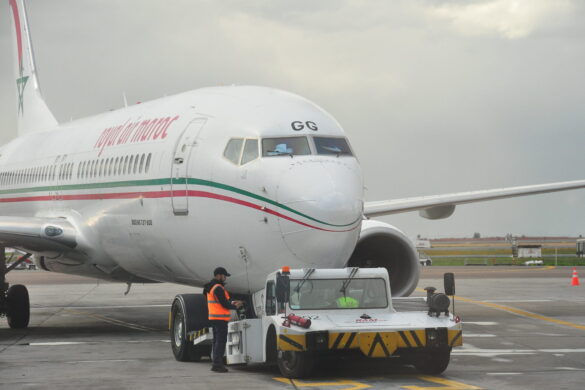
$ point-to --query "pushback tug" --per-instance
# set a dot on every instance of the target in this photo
(304, 314)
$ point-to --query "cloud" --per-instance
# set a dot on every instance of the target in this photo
(512, 19)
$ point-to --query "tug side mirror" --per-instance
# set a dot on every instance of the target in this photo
(449, 283)
(282, 288)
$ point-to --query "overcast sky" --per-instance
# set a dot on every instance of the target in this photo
(435, 96)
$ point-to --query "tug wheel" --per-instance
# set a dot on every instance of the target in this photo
(433, 361)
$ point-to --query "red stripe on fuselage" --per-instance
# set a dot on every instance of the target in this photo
(164, 194)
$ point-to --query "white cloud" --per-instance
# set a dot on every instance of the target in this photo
(511, 19)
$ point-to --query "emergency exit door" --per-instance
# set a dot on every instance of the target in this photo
(180, 170)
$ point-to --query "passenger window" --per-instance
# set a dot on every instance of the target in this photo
(146, 169)
(250, 151)
(125, 168)
(141, 163)
(130, 164)
(135, 171)
(233, 150)
(270, 298)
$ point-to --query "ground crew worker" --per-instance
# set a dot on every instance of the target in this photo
(219, 306)
(347, 302)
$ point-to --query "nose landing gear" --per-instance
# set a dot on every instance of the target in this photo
(14, 301)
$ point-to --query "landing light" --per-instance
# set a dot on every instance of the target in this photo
(53, 231)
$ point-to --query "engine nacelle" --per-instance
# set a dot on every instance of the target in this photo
(383, 245)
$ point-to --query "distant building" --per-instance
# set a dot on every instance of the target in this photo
(423, 243)
(529, 251)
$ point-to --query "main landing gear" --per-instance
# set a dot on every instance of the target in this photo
(14, 302)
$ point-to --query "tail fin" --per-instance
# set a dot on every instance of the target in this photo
(33, 113)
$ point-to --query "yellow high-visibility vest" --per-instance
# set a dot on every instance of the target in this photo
(346, 302)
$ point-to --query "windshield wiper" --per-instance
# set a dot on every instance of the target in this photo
(347, 281)
(279, 153)
(308, 273)
(333, 149)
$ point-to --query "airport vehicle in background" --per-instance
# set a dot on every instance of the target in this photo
(534, 262)
(425, 260)
(166, 190)
(302, 315)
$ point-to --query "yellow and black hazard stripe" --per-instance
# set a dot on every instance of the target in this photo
(292, 342)
(378, 342)
(344, 340)
(412, 339)
(455, 338)
(198, 333)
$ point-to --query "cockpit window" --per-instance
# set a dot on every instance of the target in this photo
(285, 146)
(233, 150)
(329, 145)
(250, 151)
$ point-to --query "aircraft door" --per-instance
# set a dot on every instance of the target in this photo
(180, 166)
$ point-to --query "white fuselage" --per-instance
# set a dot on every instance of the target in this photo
(151, 193)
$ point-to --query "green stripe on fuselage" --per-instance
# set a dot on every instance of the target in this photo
(165, 181)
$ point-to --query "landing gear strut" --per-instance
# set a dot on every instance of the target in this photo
(14, 302)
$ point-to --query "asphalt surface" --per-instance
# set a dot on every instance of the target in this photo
(524, 328)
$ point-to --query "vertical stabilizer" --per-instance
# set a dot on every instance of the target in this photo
(33, 113)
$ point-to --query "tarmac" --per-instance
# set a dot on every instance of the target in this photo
(524, 328)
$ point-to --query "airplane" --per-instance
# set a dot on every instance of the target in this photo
(249, 178)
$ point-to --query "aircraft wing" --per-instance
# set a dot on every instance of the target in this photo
(442, 206)
(37, 234)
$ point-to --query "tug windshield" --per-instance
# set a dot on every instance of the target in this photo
(327, 294)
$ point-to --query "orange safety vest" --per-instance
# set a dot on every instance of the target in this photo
(214, 308)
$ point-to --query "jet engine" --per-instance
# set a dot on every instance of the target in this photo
(383, 245)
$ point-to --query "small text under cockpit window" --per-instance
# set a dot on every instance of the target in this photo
(330, 145)
(285, 146)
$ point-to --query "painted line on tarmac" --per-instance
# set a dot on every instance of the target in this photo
(297, 383)
(60, 343)
(517, 300)
(521, 313)
(112, 321)
(468, 335)
(447, 384)
(102, 361)
(480, 323)
(470, 350)
(500, 270)
(97, 307)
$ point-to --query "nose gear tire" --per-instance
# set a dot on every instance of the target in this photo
(17, 307)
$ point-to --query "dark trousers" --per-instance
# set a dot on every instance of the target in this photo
(220, 331)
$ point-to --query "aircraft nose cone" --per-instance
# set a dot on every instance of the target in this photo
(323, 206)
